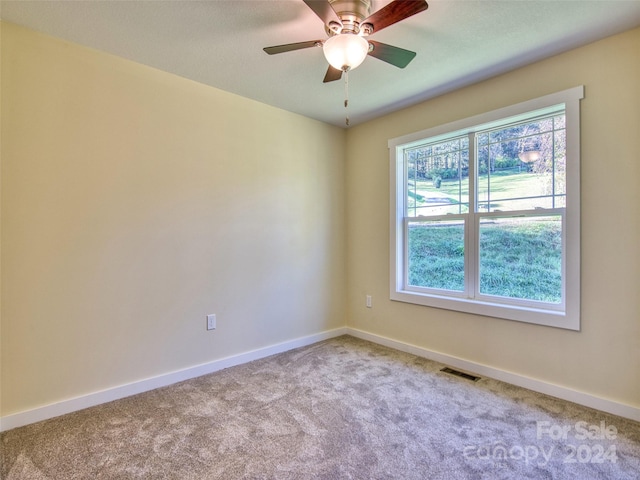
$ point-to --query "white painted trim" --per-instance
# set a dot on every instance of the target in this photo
(96, 398)
(564, 393)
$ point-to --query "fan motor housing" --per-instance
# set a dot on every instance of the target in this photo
(351, 12)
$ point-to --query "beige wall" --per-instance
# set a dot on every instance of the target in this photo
(135, 202)
(604, 358)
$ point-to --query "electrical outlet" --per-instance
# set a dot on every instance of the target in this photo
(211, 322)
(369, 301)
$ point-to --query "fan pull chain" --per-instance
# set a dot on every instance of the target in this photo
(346, 96)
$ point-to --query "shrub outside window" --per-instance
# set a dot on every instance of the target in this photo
(485, 213)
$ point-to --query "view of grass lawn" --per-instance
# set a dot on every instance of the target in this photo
(522, 258)
(518, 257)
(429, 200)
(436, 255)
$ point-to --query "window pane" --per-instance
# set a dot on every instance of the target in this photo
(438, 178)
(560, 167)
(522, 257)
(499, 242)
(522, 167)
(436, 254)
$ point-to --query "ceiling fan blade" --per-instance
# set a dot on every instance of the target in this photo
(292, 46)
(332, 75)
(324, 10)
(394, 12)
(390, 54)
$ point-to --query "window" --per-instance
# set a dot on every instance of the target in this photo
(486, 213)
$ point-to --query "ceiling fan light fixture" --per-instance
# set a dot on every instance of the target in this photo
(529, 156)
(345, 51)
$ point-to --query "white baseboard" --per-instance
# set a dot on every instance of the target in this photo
(581, 398)
(96, 398)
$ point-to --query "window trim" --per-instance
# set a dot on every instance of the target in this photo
(567, 319)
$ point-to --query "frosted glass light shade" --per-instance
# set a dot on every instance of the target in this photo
(529, 156)
(345, 50)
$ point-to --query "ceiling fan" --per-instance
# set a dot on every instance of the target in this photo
(348, 22)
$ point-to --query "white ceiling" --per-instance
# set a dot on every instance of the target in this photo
(219, 43)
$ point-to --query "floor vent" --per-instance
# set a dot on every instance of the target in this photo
(460, 374)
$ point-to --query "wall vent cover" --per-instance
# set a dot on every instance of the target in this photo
(458, 373)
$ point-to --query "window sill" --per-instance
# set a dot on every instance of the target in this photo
(538, 316)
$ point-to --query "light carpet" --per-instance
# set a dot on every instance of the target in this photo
(339, 409)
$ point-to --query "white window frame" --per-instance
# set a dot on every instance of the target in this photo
(567, 314)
